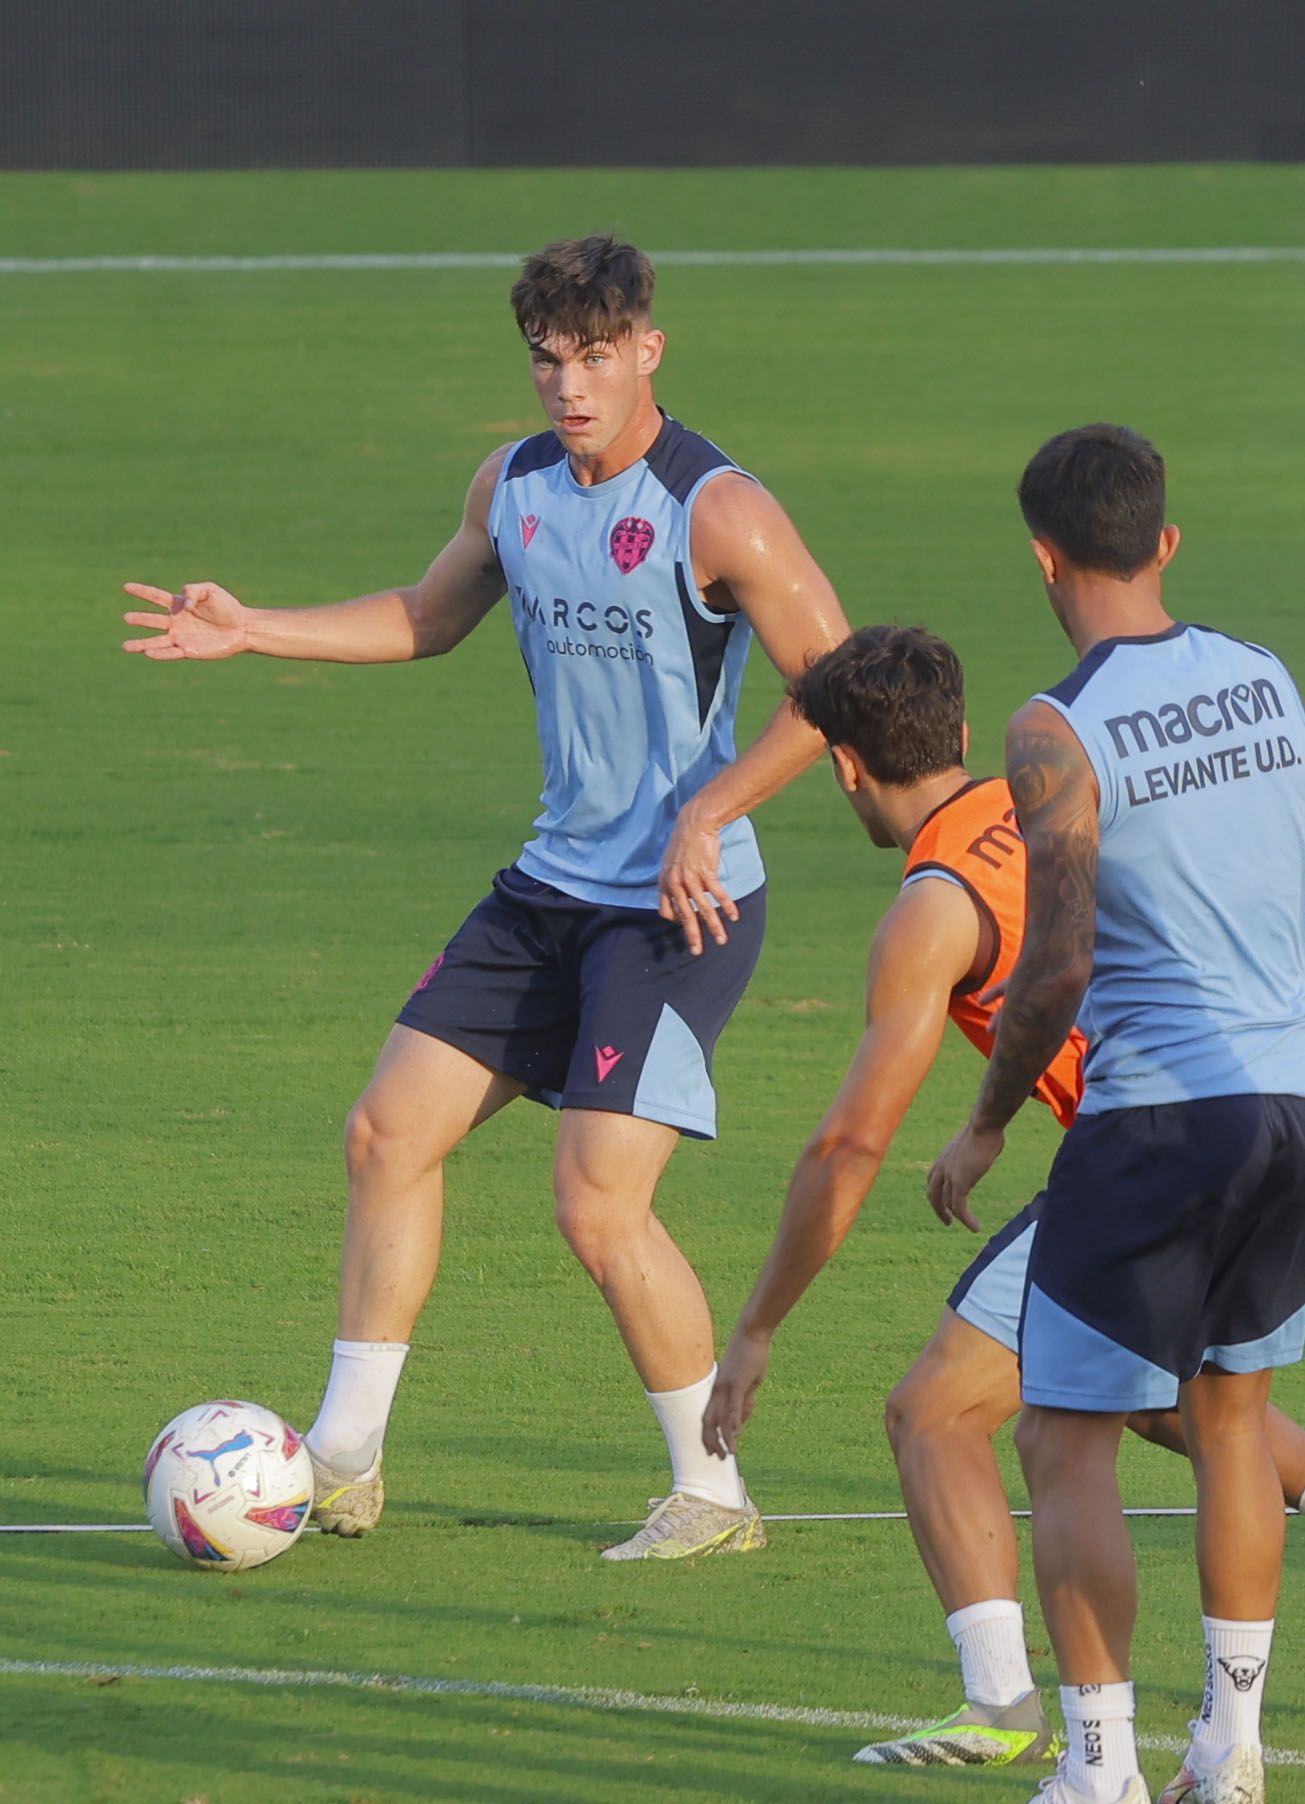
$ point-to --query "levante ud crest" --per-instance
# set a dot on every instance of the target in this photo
(630, 543)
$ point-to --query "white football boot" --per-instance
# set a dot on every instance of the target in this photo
(1238, 1779)
(1058, 1790)
(343, 1505)
(681, 1527)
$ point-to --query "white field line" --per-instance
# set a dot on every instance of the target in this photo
(706, 259)
(143, 1528)
(584, 1697)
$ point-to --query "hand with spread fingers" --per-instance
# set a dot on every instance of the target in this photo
(691, 890)
(961, 1164)
(201, 621)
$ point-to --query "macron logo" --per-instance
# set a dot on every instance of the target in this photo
(529, 527)
(606, 1058)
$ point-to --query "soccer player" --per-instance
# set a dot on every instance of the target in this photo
(890, 703)
(1160, 789)
(599, 972)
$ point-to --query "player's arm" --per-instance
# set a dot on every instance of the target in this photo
(924, 946)
(746, 548)
(1056, 800)
(389, 627)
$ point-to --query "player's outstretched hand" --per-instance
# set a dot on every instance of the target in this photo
(957, 1169)
(691, 892)
(738, 1379)
(201, 621)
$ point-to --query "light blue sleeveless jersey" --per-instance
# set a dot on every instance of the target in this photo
(1198, 980)
(636, 681)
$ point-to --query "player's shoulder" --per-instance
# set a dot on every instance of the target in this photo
(925, 940)
(525, 456)
(519, 457)
(681, 459)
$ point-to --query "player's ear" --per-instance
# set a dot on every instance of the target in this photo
(845, 770)
(965, 740)
(649, 346)
(1170, 539)
(1046, 556)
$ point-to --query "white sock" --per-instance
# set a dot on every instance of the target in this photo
(1102, 1755)
(1236, 1654)
(693, 1469)
(350, 1425)
(989, 1638)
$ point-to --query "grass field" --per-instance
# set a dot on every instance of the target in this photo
(220, 882)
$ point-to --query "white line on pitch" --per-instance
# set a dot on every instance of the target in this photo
(140, 1528)
(707, 259)
(584, 1697)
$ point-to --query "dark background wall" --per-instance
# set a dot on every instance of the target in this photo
(238, 83)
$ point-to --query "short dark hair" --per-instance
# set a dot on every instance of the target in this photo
(592, 290)
(895, 694)
(1098, 494)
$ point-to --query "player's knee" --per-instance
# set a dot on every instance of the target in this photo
(597, 1231)
(1162, 1427)
(903, 1413)
(581, 1225)
(360, 1138)
(1039, 1443)
(372, 1149)
(923, 1404)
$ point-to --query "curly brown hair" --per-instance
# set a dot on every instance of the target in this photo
(895, 694)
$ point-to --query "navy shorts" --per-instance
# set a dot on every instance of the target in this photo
(588, 1006)
(1169, 1237)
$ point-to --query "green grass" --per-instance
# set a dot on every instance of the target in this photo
(219, 883)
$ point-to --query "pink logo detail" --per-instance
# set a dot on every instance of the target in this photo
(283, 1516)
(155, 1455)
(630, 543)
(433, 973)
(529, 527)
(607, 1058)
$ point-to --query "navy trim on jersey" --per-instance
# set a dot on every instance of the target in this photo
(707, 642)
(1071, 687)
(537, 453)
(1218, 633)
(929, 867)
(679, 459)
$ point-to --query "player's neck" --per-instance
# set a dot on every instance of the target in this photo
(1093, 609)
(634, 441)
(906, 813)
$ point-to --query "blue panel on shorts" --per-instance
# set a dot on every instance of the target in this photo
(1095, 1372)
(674, 1085)
(989, 1293)
(1284, 1347)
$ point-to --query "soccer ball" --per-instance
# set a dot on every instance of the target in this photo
(228, 1485)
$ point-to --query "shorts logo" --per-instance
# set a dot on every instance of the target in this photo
(630, 543)
(433, 973)
(529, 527)
(1243, 1671)
(606, 1058)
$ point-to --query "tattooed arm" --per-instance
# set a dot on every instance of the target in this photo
(1056, 801)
